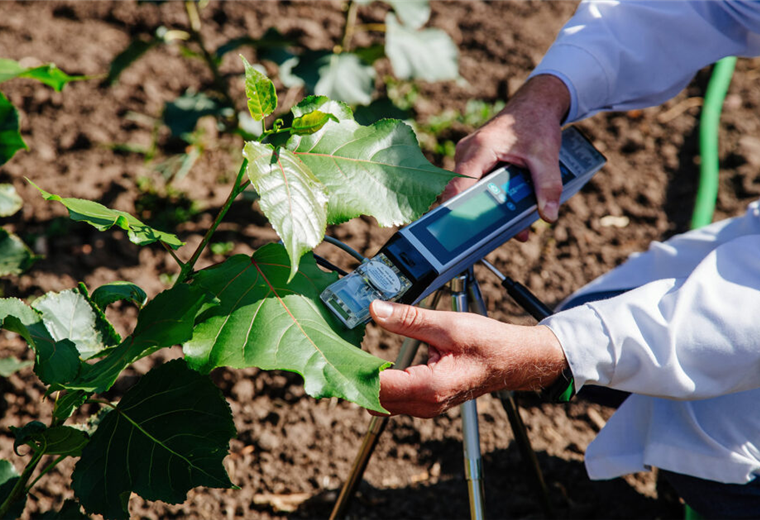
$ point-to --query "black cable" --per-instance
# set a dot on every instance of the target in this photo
(329, 265)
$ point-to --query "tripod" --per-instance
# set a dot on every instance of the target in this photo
(465, 297)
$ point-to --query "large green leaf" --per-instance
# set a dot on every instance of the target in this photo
(112, 292)
(8, 478)
(291, 197)
(103, 218)
(15, 255)
(165, 321)
(266, 322)
(168, 434)
(260, 91)
(10, 135)
(10, 200)
(412, 13)
(56, 362)
(344, 76)
(427, 54)
(354, 161)
(48, 74)
(70, 315)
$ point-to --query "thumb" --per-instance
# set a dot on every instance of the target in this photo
(428, 326)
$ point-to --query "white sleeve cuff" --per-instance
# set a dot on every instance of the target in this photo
(583, 76)
(591, 358)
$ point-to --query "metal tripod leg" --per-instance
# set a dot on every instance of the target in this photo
(376, 426)
(477, 305)
(473, 462)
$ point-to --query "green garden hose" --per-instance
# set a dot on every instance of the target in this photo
(709, 124)
(707, 193)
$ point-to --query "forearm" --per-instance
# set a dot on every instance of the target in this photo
(684, 338)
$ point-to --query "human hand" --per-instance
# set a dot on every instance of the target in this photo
(470, 355)
(526, 133)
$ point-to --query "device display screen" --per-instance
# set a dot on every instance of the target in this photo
(452, 230)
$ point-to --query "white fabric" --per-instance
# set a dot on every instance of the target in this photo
(686, 342)
(625, 55)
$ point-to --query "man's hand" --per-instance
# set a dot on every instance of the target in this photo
(470, 355)
(526, 133)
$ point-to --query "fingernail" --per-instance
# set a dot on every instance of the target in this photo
(383, 310)
(551, 211)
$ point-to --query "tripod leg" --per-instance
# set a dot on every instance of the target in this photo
(376, 426)
(477, 305)
(473, 462)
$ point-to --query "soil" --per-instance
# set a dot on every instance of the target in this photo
(292, 452)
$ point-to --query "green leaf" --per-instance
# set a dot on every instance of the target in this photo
(103, 218)
(344, 77)
(69, 315)
(56, 362)
(58, 440)
(370, 54)
(67, 403)
(48, 74)
(427, 54)
(291, 197)
(10, 136)
(128, 56)
(266, 322)
(8, 478)
(15, 255)
(383, 159)
(311, 122)
(182, 115)
(10, 201)
(168, 434)
(381, 108)
(260, 91)
(412, 13)
(11, 365)
(165, 321)
(112, 292)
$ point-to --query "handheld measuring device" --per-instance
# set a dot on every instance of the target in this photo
(446, 241)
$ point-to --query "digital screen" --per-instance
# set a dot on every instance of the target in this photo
(464, 220)
(453, 229)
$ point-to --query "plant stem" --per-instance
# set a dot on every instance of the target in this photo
(47, 468)
(174, 255)
(220, 85)
(19, 489)
(237, 189)
(350, 27)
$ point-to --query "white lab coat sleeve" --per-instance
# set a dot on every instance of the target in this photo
(633, 54)
(686, 338)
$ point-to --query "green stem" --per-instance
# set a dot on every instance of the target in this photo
(174, 255)
(237, 189)
(350, 27)
(220, 85)
(45, 470)
(19, 489)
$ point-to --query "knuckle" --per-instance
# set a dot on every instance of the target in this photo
(410, 318)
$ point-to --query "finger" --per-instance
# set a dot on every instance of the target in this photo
(428, 326)
(474, 157)
(409, 391)
(547, 183)
(523, 235)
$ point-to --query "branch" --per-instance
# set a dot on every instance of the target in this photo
(237, 189)
(350, 27)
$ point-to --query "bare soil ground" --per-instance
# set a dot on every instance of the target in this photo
(292, 452)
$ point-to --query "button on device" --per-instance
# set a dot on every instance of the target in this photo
(493, 188)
